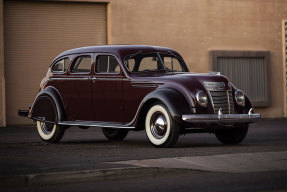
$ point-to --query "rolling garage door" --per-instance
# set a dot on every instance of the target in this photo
(35, 32)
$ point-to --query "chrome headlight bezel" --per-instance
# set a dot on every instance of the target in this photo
(201, 98)
(239, 97)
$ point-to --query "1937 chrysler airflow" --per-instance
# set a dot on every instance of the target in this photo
(127, 87)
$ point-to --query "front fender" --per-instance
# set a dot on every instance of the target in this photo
(171, 98)
(248, 104)
(47, 96)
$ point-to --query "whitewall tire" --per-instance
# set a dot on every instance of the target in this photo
(51, 133)
(161, 129)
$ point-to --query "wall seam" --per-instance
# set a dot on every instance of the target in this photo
(109, 25)
(284, 49)
(2, 72)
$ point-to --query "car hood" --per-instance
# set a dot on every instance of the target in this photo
(190, 81)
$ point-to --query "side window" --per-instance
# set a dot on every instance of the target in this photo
(107, 64)
(130, 63)
(61, 66)
(82, 64)
(148, 63)
(172, 63)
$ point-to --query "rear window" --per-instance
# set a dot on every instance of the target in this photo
(61, 66)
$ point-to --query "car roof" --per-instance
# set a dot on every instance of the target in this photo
(120, 50)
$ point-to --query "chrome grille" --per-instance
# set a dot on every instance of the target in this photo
(223, 100)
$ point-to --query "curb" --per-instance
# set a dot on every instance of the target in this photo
(87, 175)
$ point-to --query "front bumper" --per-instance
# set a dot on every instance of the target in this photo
(222, 118)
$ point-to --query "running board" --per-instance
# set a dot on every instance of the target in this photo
(96, 124)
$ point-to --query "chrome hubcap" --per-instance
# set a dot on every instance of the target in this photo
(158, 125)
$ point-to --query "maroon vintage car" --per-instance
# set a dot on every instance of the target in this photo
(120, 88)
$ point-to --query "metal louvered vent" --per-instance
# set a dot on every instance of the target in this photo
(247, 70)
(223, 100)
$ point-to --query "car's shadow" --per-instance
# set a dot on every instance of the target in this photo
(140, 140)
(133, 143)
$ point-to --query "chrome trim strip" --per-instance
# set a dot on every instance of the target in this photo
(53, 78)
(227, 92)
(211, 85)
(211, 100)
(87, 78)
(147, 86)
(222, 118)
(71, 78)
(95, 124)
(145, 82)
(109, 79)
(42, 119)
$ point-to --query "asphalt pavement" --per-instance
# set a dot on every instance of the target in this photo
(86, 160)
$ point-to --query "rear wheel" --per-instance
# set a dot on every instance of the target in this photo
(51, 133)
(161, 129)
(48, 130)
(232, 136)
(115, 134)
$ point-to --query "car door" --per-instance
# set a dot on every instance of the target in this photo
(78, 89)
(107, 89)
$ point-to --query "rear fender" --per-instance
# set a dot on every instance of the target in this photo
(48, 101)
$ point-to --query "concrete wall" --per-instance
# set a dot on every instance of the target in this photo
(193, 27)
(2, 77)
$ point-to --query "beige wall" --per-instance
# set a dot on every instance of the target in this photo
(2, 77)
(193, 27)
(284, 52)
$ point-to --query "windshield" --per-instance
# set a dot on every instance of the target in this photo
(146, 62)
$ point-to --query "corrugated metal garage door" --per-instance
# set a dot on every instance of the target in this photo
(35, 32)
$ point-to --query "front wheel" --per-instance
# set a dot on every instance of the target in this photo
(51, 133)
(161, 129)
(232, 136)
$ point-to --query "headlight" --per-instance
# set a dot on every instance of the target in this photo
(239, 97)
(201, 98)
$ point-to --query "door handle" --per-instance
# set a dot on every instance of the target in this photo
(93, 78)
